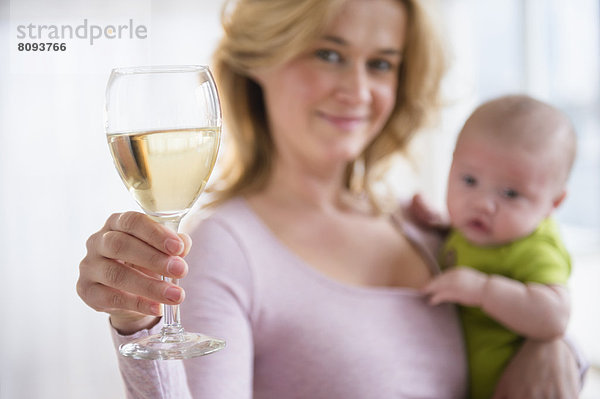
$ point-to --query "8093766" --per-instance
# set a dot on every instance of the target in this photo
(42, 46)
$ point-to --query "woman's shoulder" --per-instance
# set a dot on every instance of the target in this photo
(232, 222)
(428, 240)
(227, 213)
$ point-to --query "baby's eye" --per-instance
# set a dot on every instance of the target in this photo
(510, 193)
(328, 55)
(469, 180)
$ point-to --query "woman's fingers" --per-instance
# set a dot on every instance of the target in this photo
(147, 230)
(106, 299)
(129, 249)
(121, 272)
(187, 242)
(123, 291)
(121, 277)
(425, 215)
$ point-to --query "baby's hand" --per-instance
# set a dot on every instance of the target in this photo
(462, 285)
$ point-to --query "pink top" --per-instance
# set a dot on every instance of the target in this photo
(292, 332)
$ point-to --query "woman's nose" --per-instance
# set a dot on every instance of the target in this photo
(354, 85)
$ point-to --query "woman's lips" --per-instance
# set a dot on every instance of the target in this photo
(346, 123)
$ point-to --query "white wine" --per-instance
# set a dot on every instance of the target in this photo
(163, 126)
(166, 170)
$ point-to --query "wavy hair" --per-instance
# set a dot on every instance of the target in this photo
(260, 33)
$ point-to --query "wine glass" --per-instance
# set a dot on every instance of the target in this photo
(163, 126)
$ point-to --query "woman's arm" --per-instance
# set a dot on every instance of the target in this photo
(217, 303)
(151, 379)
(533, 310)
(542, 370)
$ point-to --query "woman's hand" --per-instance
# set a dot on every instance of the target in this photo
(424, 215)
(540, 370)
(121, 273)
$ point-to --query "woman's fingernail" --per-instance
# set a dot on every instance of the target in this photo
(176, 267)
(173, 294)
(174, 246)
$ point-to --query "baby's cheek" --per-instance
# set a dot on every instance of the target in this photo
(512, 227)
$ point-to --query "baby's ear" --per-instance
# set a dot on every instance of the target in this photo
(559, 198)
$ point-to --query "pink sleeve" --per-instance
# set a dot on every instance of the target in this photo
(150, 379)
(217, 304)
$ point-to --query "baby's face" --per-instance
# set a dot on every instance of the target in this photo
(498, 192)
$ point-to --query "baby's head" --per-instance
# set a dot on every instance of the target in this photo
(510, 168)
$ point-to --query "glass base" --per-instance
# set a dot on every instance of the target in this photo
(180, 346)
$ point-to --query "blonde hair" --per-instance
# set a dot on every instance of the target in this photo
(260, 33)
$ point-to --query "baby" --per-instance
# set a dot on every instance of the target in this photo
(504, 261)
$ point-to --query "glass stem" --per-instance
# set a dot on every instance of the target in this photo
(171, 318)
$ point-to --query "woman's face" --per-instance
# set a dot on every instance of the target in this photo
(327, 104)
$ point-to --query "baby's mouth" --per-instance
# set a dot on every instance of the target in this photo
(478, 225)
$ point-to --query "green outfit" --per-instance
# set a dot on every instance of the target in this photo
(540, 257)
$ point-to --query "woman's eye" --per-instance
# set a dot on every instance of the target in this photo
(469, 180)
(381, 65)
(328, 55)
(510, 193)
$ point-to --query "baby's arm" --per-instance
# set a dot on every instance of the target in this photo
(530, 309)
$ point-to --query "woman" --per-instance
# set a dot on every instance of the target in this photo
(313, 287)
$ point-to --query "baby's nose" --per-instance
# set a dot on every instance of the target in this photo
(485, 203)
